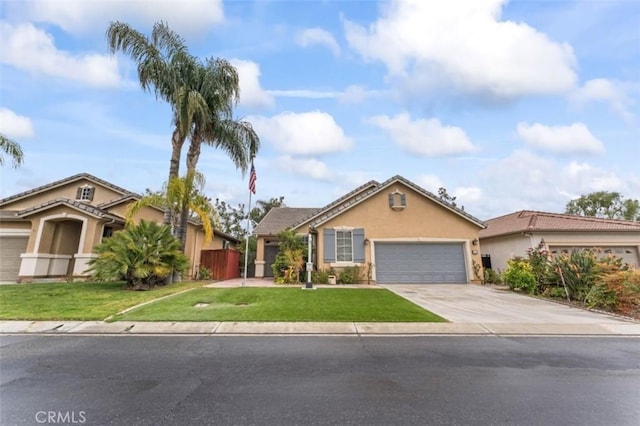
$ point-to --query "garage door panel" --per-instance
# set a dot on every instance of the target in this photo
(10, 250)
(416, 263)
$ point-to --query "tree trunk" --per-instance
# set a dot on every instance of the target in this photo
(177, 141)
(193, 154)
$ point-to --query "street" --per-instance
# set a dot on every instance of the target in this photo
(271, 380)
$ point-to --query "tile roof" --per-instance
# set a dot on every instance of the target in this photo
(64, 182)
(531, 221)
(278, 219)
(94, 211)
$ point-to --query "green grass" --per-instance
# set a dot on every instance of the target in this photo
(75, 301)
(283, 304)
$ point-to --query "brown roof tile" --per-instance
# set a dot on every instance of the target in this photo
(279, 218)
(532, 221)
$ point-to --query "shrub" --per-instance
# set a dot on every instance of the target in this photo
(321, 276)
(539, 261)
(349, 275)
(492, 277)
(618, 291)
(290, 258)
(575, 272)
(143, 255)
(204, 273)
(519, 276)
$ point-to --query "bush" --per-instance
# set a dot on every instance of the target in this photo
(618, 291)
(492, 277)
(349, 275)
(143, 255)
(290, 258)
(204, 273)
(321, 277)
(519, 276)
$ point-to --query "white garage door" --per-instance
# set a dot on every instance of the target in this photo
(10, 250)
(420, 263)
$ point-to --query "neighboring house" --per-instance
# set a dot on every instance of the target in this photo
(399, 231)
(51, 231)
(512, 235)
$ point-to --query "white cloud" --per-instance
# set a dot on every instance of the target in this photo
(572, 139)
(252, 94)
(467, 194)
(318, 36)
(525, 180)
(430, 182)
(615, 93)
(305, 94)
(305, 133)
(355, 94)
(311, 167)
(82, 16)
(426, 137)
(28, 48)
(16, 126)
(464, 45)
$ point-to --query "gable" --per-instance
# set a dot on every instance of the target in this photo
(420, 217)
(69, 190)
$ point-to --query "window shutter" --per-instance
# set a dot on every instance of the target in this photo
(329, 239)
(79, 193)
(403, 200)
(390, 200)
(91, 192)
(358, 245)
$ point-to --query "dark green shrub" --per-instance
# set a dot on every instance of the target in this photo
(143, 255)
(519, 276)
(289, 261)
(349, 275)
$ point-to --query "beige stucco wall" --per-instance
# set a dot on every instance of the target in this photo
(504, 248)
(69, 190)
(421, 219)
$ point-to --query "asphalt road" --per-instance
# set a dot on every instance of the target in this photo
(172, 380)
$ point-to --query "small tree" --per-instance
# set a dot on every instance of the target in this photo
(444, 196)
(143, 255)
(290, 258)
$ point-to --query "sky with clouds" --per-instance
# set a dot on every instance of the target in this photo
(510, 105)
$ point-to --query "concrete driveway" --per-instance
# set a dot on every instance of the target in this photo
(468, 303)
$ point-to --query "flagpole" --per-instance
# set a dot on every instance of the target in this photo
(252, 190)
(246, 247)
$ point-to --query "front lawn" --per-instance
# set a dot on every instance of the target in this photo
(75, 301)
(283, 304)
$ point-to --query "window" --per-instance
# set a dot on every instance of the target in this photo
(397, 200)
(344, 246)
(85, 193)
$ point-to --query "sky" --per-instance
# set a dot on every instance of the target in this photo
(509, 105)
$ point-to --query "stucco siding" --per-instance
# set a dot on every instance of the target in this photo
(420, 219)
(501, 249)
(102, 194)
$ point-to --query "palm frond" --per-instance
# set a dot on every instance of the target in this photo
(12, 149)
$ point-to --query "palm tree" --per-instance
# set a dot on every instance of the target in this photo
(12, 149)
(181, 194)
(165, 67)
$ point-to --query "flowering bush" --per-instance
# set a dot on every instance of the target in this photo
(519, 275)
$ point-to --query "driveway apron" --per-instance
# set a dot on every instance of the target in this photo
(469, 303)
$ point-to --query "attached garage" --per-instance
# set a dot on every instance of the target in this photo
(420, 263)
(10, 250)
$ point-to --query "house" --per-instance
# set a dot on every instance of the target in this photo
(50, 231)
(513, 234)
(394, 230)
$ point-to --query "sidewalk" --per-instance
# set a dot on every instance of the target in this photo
(312, 328)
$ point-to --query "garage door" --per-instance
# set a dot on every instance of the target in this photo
(10, 250)
(628, 254)
(420, 263)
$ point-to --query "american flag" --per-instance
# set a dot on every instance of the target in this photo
(252, 179)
